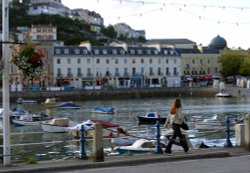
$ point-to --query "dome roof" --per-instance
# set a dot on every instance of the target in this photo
(218, 43)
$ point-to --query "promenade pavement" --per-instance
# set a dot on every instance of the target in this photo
(110, 161)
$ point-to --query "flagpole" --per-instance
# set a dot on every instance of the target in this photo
(5, 89)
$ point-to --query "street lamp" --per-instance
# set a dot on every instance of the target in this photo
(5, 90)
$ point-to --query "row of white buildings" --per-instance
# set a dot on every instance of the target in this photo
(159, 62)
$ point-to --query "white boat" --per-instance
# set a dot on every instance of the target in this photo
(144, 146)
(57, 125)
(223, 94)
(21, 101)
(210, 124)
(109, 129)
(30, 119)
(50, 103)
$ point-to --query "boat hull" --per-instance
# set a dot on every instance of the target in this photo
(26, 122)
(146, 120)
(53, 128)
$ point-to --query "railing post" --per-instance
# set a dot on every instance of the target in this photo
(83, 152)
(158, 135)
(228, 142)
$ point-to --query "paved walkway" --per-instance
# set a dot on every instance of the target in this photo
(109, 161)
(237, 91)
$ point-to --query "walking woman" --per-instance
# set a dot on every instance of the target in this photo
(176, 118)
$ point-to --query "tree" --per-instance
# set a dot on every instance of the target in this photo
(245, 66)
(109, 32)
(231, 62)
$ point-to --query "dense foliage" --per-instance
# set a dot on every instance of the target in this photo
(71, 31)
(235, 62)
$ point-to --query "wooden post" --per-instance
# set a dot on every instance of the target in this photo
(97, 143)
(247, 131)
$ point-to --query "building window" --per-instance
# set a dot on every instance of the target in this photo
(114, 52)
(132, 51)
(165, 52)
(58, 61)
(142, 70)
(159, 61)
(77, 51)
(133, 61)
(69, 61)
(122, 52)
(58, 51)
(148, 52)
(59, 73)
(69, 71)
(116, 61)
(167, 71)
(66, 51)
(125, 61)
(151, 71)
(117, 71)
(88, 71)
(193, 61)
(79, 72)
(159, 71)
(175, 71)
(208, 61)
(142, 61)
(139, 51)
(166, 61)
(85, 51)
(97, 61)
(96, 51)
(133, 70)
(104, 51)
(175, 61)
(78, 61)
(150, 61)
(107, 61)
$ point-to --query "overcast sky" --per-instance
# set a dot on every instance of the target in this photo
(197, 20)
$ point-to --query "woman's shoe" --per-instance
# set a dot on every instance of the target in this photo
(168, 152)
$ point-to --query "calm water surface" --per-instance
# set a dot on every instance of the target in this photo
(194, 108)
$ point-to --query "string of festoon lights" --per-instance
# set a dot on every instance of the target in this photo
(183, 7)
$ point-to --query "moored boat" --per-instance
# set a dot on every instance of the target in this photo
(223, 94)
(68, 105)
(21, 101)
(50, 103)
(57, 125)
(103, 110)
(151, 118)
(30, 119)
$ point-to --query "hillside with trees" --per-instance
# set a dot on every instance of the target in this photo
(71, 31)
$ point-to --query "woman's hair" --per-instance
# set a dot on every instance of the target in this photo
(176, 104)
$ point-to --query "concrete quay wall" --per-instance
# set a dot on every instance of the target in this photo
(82, 95)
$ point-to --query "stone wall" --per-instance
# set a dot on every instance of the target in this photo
(113, 94)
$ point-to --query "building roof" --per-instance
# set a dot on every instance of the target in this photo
(171, 41)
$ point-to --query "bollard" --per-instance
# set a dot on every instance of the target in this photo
(247, 132)
(83, 152)
(228, 142)
(97, 143)
(158, 135)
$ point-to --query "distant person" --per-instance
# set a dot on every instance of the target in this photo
(176, 118)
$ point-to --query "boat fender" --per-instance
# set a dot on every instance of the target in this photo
(111, 135)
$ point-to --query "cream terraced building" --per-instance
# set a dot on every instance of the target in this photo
(118, 66)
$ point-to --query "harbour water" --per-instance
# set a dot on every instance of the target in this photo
(61, 145)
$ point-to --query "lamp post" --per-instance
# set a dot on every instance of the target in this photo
(6, 90)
